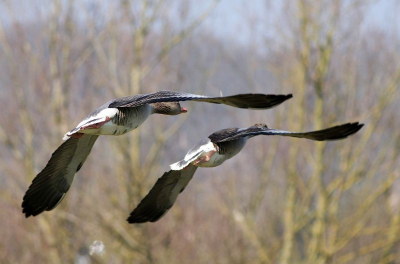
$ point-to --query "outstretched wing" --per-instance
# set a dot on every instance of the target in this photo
(162, 196)
(49, 187)
(252, 101)
(201, 147)
(332, 133)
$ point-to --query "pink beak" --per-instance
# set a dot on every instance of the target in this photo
(183, 110)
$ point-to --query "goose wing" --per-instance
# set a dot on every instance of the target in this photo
(162, 196)
(49, 187)
(252, 101)
(332, 133)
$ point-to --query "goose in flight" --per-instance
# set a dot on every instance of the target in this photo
(116, 117)
(211, 152)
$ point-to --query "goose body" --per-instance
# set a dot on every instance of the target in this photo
(113, 121)
(223, 152)
(213, 151)
(116, 117)
(207, 153)
(122, 115)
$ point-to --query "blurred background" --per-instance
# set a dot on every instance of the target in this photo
(280, 200)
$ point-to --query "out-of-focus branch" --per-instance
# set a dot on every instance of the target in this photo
(175, 40)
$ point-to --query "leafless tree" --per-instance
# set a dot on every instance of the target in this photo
(279, 201)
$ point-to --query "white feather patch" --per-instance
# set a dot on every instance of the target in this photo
(99, 117)
(102, 115)
(192, 155)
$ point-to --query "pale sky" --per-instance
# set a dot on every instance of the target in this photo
(227, 19)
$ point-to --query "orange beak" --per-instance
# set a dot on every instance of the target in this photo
(183, 110)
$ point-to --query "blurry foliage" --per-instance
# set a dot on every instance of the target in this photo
(279, 201)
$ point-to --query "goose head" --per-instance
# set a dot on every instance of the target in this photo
(168, 108)
(261, 125)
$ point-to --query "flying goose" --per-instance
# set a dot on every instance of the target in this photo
(116, 117)
(211, 152)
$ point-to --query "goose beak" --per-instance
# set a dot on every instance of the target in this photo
(183, 110)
